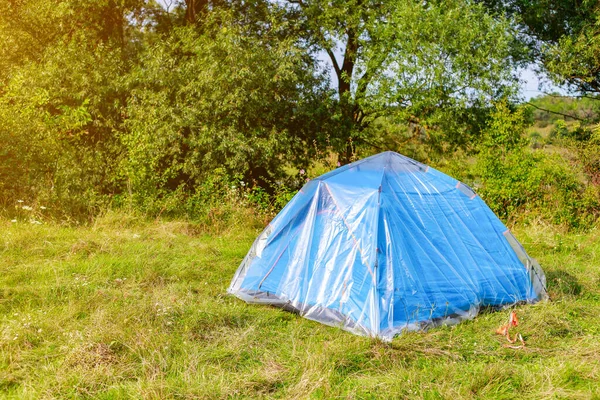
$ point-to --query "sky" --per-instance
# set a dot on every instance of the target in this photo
(530, 87)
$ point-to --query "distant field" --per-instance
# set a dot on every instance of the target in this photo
(133, 309)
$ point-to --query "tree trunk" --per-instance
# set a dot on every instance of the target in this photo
(346, 101)
(194, 8)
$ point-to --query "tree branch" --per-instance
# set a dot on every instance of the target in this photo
(321, 37)
(348, 62)
(579, 96)
(365, 79)
(365, 141)
(336, 66)
(556, 112)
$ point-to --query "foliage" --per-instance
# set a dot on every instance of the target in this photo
(223, 99)
(560, 129)
(574, 60)
(516, 180)
(29, 28)
(506, 168)
(546, 20)
(563, 38)
(415, 62)
(62, 103)
(178, 110)
(552, 107)
(589, 156)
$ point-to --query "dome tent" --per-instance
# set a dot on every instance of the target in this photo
(386, 244)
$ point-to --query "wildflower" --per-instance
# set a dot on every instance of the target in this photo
(339, 164)
(42, 208)
(19, 201)
(307, 179)
(13, 220)
(27, 208)
(302, 172)
(242, 183)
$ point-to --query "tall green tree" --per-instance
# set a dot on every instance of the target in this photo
(409, 60)
(223, 100)
(62, 96)
(563, 37)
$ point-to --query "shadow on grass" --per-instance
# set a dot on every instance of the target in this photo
(561, 283)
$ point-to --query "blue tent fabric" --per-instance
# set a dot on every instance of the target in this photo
(387, 244)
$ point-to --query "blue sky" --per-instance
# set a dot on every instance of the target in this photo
(531, 82)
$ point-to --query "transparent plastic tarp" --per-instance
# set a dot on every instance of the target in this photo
(387, 244)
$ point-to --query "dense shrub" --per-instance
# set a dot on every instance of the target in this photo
(219, 101)
(57, 126)
(589, 156)
(62, 94)
(517, 182)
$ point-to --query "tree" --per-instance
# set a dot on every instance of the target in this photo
(222, 100)
(546, 21)
(62, 96)
(408, 59)
(575, 59)
(563, 37)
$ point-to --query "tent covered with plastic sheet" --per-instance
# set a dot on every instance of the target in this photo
(386, 244)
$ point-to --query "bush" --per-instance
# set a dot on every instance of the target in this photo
(560, 129)
(57, 128)
(516, 181)
(536, 139)
(589, 156)
(220, 100)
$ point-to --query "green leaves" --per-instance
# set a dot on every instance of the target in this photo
(562, 37)
(414, 62)
(516, 181)
(575, 59)
(62, 101)
(104, 100)
(223, 98)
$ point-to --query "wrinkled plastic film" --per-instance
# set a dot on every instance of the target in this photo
(384, 245)
(537, 276)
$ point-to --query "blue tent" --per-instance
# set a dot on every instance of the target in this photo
(387, 244)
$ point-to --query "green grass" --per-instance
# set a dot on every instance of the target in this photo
(127, 308)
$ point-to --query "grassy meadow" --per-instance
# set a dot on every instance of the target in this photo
(131, 308)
